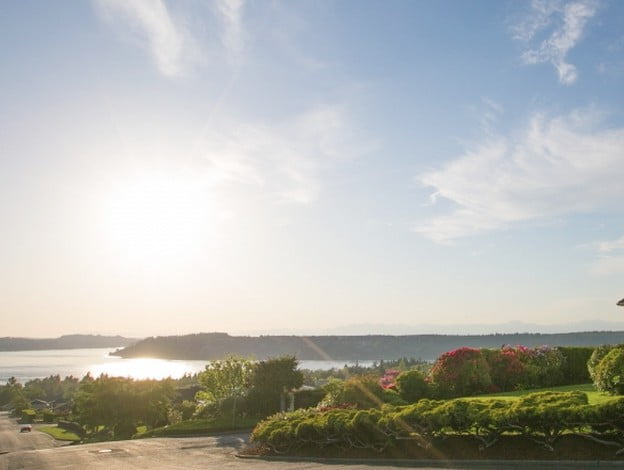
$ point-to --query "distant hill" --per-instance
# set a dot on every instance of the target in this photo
(64, 342)
(210, 346)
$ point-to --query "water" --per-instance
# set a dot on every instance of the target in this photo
(28, 365)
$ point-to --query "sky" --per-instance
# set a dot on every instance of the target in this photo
(172, 167)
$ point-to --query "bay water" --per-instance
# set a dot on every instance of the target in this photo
(28, 365)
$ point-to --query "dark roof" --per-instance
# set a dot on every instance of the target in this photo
(621, 303)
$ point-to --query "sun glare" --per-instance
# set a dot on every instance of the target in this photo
(155, 218)
(143, 368)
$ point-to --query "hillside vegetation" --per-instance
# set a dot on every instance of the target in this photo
(211, 346)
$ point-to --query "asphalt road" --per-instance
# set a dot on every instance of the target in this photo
(11, 440)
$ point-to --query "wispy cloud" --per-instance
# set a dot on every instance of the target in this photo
(556, 166)
(286, 159)
(231, 12)
(156, 30)
(564, 23)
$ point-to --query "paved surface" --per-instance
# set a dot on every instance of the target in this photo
(11, 440)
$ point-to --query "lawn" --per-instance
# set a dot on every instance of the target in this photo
(59, 434)
(202, 426)
(595, 397)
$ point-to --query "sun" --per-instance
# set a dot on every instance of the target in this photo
(155, 217)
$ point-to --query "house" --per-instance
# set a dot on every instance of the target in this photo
(40, 405)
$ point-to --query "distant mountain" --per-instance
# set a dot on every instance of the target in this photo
(448, 329)
(209, 346)
(64, 342)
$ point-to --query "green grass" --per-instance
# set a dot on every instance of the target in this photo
(595, 397)
(202, 426)
(59, 434)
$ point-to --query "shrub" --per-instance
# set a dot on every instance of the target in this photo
(543, 417)
(363, 391)
(575, 364)
(599, 353)
(461, 372)
(543, 366)
(392, 397)
(506, 368)
(71, 427)
(187, 409)
(48, 416)
(28, 416)
(270, 381)
(412, 386)
(388, 380)
(332, 391)
(308, 398)
(609, 373)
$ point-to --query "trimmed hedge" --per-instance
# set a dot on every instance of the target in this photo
(575, 369)
(308, 398)
(542, 417)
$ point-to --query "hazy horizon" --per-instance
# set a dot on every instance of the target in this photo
(365, 329)
(170, 167)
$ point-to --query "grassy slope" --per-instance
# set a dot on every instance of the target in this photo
(59, 434)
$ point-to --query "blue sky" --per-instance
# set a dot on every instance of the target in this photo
(175, 167)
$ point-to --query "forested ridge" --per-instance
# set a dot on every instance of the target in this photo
(64, 342)
(212, 346)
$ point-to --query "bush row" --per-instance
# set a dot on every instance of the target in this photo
(469, 371)
(542, 417)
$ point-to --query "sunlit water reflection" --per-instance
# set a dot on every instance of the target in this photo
(28, 365)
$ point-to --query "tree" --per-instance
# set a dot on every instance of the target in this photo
(229, 378)
(271, 381)
(121, 404)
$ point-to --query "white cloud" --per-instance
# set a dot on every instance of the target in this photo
(286, 159)
(231, 12)
(565, 21)
(167, 41)
(555, 167)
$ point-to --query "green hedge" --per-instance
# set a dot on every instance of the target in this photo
(308, 398)
(575, 367)
(543, 417)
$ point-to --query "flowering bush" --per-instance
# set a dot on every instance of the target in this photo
(543, 366)
(506, 368)
(460, 372)
(388, 380)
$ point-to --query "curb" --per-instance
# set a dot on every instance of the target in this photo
(519, 464)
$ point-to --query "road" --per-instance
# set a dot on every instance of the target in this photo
(11, 440)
